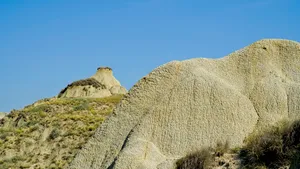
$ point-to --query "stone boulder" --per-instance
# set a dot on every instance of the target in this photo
(102, 84)
(183, 106)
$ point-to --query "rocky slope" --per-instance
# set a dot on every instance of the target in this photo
(48, 133)
(182, 106)
(102, 84)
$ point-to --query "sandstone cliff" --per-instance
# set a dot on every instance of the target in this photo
(183, 106)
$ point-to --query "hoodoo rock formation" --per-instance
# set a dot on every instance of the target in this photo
(183, 106)
(102, 84)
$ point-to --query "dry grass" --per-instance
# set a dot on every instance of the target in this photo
(221, 148)
(197, 160)
(203, 159)
(49, 133)
(274, 148)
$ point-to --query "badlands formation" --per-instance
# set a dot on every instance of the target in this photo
(185, 105)
(102, 84)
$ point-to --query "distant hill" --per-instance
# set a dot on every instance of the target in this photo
(101, 84)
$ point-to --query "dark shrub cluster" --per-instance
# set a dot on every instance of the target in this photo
(54, 134)
(277, 147)
(101, 68)
(85, 82)
(198, 160)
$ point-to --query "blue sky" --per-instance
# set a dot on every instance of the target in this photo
(44, 45)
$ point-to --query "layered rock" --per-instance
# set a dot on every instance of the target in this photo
(102, 84)
(183, 106)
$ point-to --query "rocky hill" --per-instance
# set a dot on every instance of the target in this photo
(48, 133)
(102, 84)
(183, 106)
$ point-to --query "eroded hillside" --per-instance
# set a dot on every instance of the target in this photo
(49, 133)
(184, 105)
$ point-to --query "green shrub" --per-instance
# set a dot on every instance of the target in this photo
(31, 123)
(54, 134)
(40, 108)
(3, 135)
(82, 106)
(198, 160)
(42, 114)
(33, 128)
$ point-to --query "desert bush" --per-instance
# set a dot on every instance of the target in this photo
(42, 114)
(198, 160)
(111, 99)
(82, 106)
(54, 134)
(291, 137)
(3, 135)
(204, 158)
(274, 148)
(40, 108)
(221, 148)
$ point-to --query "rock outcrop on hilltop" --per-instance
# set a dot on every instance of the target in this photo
(102, 84)
(2, 115)
(183, 106)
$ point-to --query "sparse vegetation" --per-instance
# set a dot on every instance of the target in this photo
(197, 160)
(49, 133)
(108, 68)
(221, 148)
(85, 82)
(274, 148)
(205, 158)
(54, 134)
(82, 106)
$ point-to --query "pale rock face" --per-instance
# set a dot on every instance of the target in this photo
(183, 106)
(117, 90)
(105, 76)
(102, 84)
(86, 91)
(2, 115)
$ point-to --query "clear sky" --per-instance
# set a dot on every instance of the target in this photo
(46, 44)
